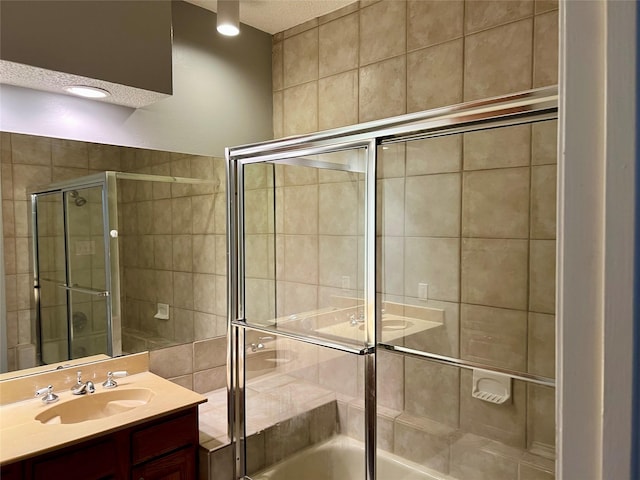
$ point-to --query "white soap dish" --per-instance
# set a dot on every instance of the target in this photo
(163, 312)
(491, 387)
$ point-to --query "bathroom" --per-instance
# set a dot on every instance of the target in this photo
(373, 76)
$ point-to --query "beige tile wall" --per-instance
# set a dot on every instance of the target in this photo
(169, 240)
(493, 203)
(303, 238)
(377, 59)
(472, 215)
(175, 253)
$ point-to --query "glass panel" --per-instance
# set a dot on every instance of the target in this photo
(50, 237)
(304, 411)
(52, 273)
(430, 424)
(53, 322)
(304, 223)
(88, 324)
(85, 246)
(85, 237)
(466, 234)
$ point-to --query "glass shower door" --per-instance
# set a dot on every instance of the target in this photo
(50, 241)
(464, 250)
(466, 259)
(305, 315)
(86, 280)
(71, 280)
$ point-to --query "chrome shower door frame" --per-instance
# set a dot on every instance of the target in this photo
(106, 181)
(514, 109)
(236, 292)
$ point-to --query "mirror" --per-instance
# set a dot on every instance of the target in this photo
(172, 249)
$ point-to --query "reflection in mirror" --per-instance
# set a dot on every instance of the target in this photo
(304, 224)
(49, 238)
(175, 248)
(167, 240)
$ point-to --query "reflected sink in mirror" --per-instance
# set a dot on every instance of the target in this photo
(266, 359)
(95, 406)
(392, 328)
(393, 324)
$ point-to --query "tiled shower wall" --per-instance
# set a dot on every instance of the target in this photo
(29, 161)
(493, 228)
(376, 59)
(174, 252)
(318, 254)
(473, 217)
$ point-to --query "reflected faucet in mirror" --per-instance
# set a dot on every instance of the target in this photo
(259, 346)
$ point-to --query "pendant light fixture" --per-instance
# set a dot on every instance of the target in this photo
(228, 17)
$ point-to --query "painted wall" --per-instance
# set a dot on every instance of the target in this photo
(221, 97)
(122, 42)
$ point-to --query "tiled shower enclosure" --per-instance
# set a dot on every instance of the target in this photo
(392, 297)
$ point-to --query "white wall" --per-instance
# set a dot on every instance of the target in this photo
(596, 239)
(221, 97)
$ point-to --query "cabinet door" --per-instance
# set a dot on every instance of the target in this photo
(179, 465)
(12, 471)
(101, 460)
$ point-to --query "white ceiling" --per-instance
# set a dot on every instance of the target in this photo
(274, 16)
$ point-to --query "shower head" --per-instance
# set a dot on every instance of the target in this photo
(77, 199)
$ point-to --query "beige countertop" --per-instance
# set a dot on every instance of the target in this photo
(22, 436)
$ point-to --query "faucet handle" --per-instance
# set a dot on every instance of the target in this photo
(79, 378)
(50, 397)
(110, 382)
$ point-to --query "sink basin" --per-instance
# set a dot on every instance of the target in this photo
(95, 406)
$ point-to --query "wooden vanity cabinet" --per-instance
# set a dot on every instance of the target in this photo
(12, 471)
(166, 450)
(175, 466)
(161, 449)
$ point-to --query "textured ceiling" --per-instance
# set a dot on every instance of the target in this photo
(37, 78)
(274, 16)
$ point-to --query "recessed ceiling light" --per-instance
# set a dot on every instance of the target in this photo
(87, 92)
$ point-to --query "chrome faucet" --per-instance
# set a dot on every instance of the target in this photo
(260, 346)
(80, 388)
(110, 382)
(353, 321)
(50, 397)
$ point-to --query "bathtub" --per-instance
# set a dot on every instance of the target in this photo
(341, 458)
